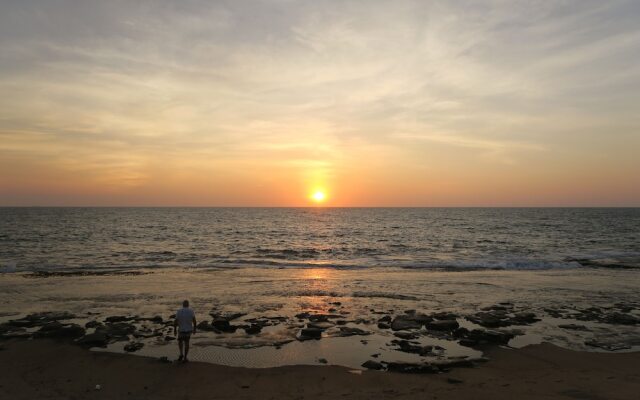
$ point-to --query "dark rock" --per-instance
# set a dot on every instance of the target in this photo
(404, 322)
(118, 330)
(310, 333)
(453, 381)
(169, 338)
(322, 360)
(164, 360)
(38, 319)
(133, 346)
(573, 327)
(118, 318)
(609, 346)
(490, 319)
(370, 364)
(386, 318)
(525, 318)
(348, 331)
(253, 329)
(409, 347)
(621, 319)
(59, 331)
(96, 339)
(383, 325)
(412, 368)
(303, 315)
(93, 324)
(406, 335)
(223, 325)
(444, 315)
(443, 325)
(205, 326)
(226, 316)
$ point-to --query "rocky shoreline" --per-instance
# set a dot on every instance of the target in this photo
(404, 331)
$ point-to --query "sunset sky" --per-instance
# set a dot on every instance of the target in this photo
(372, 103)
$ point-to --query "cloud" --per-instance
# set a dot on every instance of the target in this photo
(116, 86)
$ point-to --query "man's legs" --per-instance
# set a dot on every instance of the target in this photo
(186, 348)
(180, 345)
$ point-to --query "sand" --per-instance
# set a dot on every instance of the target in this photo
(37, 369)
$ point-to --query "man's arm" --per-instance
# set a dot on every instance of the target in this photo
(194, 324)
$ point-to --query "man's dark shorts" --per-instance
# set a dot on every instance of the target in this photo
(182, 336)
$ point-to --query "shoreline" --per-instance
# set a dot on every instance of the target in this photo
(43, 368)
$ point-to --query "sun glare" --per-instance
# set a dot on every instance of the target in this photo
(318, 196)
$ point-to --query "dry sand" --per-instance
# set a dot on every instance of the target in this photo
(38, 369)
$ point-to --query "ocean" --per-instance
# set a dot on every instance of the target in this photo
(425, 238)
(352, 276)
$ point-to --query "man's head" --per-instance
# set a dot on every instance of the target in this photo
(185, 303)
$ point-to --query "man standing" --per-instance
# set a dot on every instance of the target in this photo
(186, 323)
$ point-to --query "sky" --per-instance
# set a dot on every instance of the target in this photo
(373, 103)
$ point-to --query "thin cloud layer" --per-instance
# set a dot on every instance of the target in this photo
(258, 102)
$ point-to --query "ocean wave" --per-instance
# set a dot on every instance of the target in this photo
(395, 296)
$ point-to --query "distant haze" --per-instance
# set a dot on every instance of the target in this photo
(372, 103)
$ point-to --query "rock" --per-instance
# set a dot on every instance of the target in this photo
(406, 335)
(404, 323)
(39, 319)
(133, 346)
(618, 318)
(93, 324)
(310, 333)
(370, 364)
(253, 329)
(412, 368)
(525, 318)
(169, 338)
(322, 360)
(490, 319)
(609, 346)
(383, 325)
(443, 325)
(96, 339)
(573, 327)
(320, 325)
(408, 347)
(118, 318)
(205, 326)
(59, 331)
(164, 360)
(118, 330)
(303, 315)
(444, 315)
(386, 319)
(226, 316)
(453, 381)
(323, 317)
(348, 331)
(223, 325)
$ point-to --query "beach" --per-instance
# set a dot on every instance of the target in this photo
(377, 302)
(46, 369)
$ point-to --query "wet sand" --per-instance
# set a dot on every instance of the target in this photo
(45, 369)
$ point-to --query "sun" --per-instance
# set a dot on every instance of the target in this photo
(318, 196)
